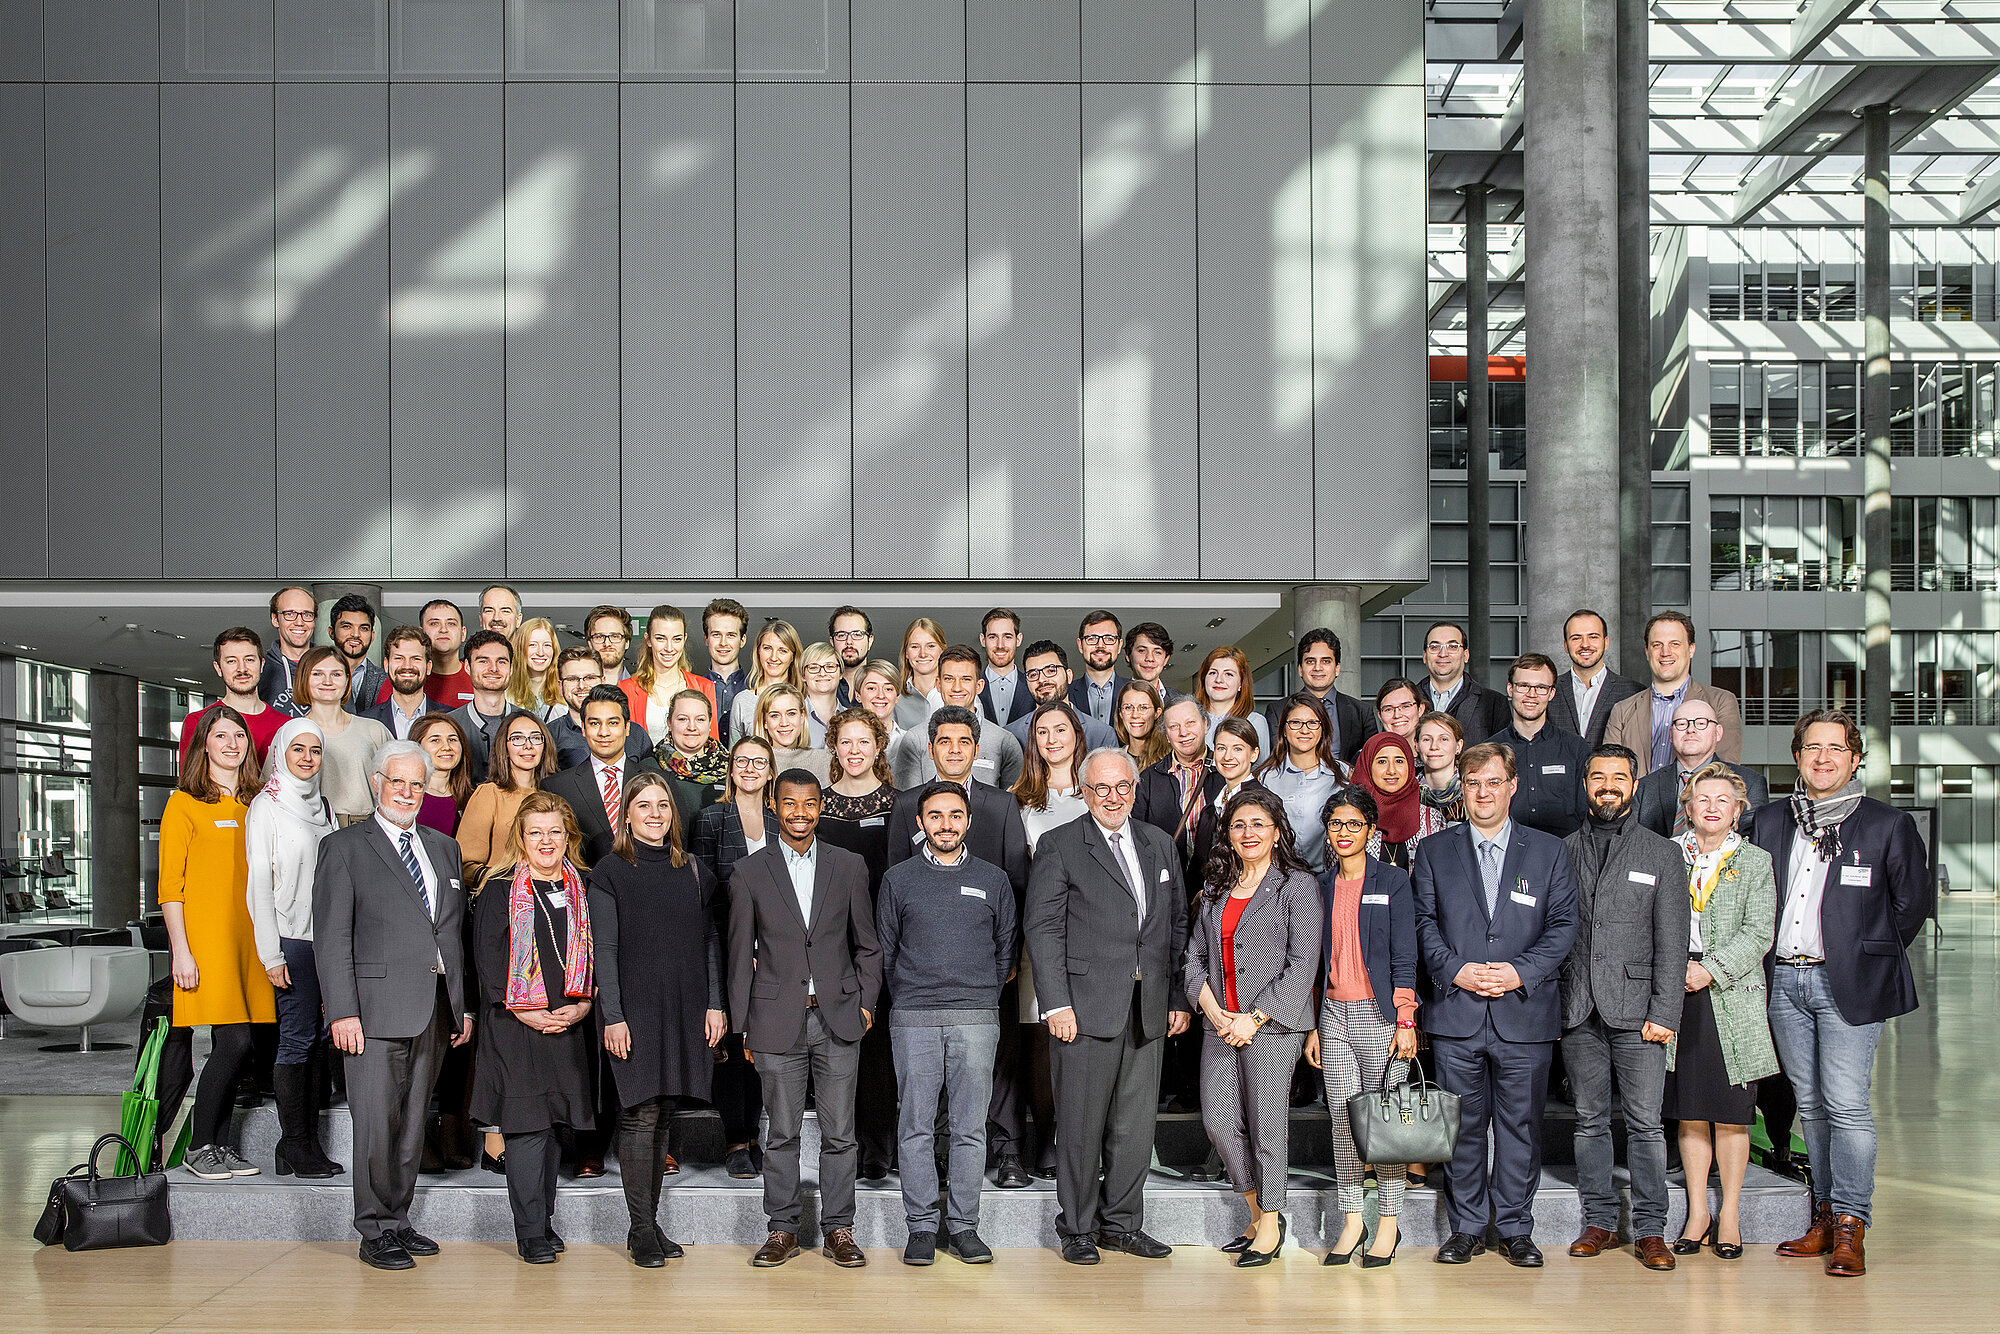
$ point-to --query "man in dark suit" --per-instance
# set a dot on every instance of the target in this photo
(1496, 917)
(1584, 695)
(1696, 733)
(1003, 691)
(1854, 889)
(1448, 689)
(1095, 694)
(1318, 655)
(353, 633)
(595, 788)
(406, 659)
(388, 908)
(1106, 927)
(804, 972)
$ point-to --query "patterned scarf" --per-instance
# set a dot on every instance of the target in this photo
(524, 961)
(1705, 868)
(708, 769)
(1820, 820)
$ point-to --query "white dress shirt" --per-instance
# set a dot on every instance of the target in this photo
(396, 833)
(1586, 696)
(1805, 886)
(802, 866)
(1122, 844)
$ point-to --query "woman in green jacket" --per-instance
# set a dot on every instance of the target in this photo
(1724, 1044)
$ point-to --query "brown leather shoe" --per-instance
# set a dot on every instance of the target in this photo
(777, 1248)
(670, 1167)
(1593, 1241)
(1653, 1252)
(589, 1169)
(1847, 1259)
(840, 1248)
(1818, 1239)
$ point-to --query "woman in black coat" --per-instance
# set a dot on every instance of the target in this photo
(659, 992)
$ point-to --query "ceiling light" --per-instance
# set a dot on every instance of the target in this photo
(1217, 621)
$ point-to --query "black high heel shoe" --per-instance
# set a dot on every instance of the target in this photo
(1692, 1245)
(1723, 1250)
(1382, 1261)
(1237, 1245)
(1253, 1259)
(1342, 1257)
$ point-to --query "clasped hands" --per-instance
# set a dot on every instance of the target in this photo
(1235, 1029)
(554, 1021)
(1487, 979)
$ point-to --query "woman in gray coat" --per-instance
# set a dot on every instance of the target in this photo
(1251, 960)
(1724, 1044)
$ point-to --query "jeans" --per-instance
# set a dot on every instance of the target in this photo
(956, 1059)
(299, 1025)
(1593, 1054)
(1831, 1063)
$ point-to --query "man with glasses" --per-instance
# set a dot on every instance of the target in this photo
(1854, 889)
(852, 635)
(293, 615)
(1549, 760)
(1696, 734)
(1448, 689)
(1643, 723)
(608, 631)
(579, 673)
(1045, 667)
(1098, 640)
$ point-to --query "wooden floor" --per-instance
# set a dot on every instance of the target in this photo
(1934, 1260)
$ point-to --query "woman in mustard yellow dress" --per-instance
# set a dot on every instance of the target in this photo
(204, 896)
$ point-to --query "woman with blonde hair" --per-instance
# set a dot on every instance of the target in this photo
(775, 659)
(663, 672)
(819, 674)
(535, 684)
(1223, 688)
(923, 642)
(1135, 717)
(781, 721)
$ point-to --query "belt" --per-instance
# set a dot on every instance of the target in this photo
(1801, 962)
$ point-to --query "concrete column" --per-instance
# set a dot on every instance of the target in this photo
(114, 799)
(1570, 149)
(1335, 607)
(1875, 472)
(1478, 416)
(1635, 350)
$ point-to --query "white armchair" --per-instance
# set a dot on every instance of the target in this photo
(75, 987)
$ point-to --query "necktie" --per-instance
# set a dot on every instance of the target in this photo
(1489, 872)
(416, 871)
(1680, 807)
(1125, 872)
(611, 798)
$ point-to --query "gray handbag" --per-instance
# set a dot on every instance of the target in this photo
(1411, 1122)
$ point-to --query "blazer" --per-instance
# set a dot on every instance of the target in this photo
(1387, 921)
(1629, 963)
(1631, 723)
(1086, 942)
(384, 712)
(365, 687)
(1736, 932)
(572, 749)
(1279, 938)
(997, 761)
(1481, 712)
(774, 951)
(577, 785)
(718, 842)
(1533, 927)
(1658, 797)
(1079, 693)
(1355, 719)
(1020, 706)
(1562, 708)
(997, 834)
(1866, 928)
(375, 947)
(1158, 802)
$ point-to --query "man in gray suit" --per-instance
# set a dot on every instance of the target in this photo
(1621, 995)
(387, 911)
(1695, 734)
(1106, 927)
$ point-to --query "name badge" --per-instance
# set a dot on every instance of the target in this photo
(559, 898)
(1525, 900)
(464, 698)
(971, 893)
(982, 764)
(455, 885)
(1555, 768)
(1641, 878)
(231, 824)
(874, 821)
(1163, 876)
(1856, 875)
(1382, 899)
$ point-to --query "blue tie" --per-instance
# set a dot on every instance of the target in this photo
(417, 872)
(1489, 872)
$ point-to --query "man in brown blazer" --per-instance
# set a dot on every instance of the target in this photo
(804, 972)
(1642, 723)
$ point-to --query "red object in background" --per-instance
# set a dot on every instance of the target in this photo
(1497, 368)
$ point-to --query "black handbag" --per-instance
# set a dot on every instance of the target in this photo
(88, 1212)
(1411, 1122)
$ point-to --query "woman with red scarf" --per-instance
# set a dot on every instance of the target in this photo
(531, 934)
(1387, 769)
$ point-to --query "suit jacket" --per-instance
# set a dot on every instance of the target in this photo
(1481, 712)
(1020, 706)
(1562, 709)
(1658, 797)
(1356, 721)
(1631, 723)
(998, 760)
(374, 945)
(1079, 692)
(1280, 938)
(384, 712)
(1084, 936)
(1096, 735)
(1387, 923)
(1866, 927)
(365, 687)
(997, 834)
(1629, 962)
(577, 785)
(1533, 927)
(572, 749)
(774, 951)
(1158, 803)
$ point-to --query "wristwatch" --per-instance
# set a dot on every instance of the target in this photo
(1261, 1018)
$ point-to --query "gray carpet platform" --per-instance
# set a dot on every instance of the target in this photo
(703, 1206)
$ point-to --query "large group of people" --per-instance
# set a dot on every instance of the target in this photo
(985, 913)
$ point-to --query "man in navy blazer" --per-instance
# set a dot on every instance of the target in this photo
(1496, 917)
(1854, 889)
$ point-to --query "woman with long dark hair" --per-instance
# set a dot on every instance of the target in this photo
(1303, 770)
(451, 777)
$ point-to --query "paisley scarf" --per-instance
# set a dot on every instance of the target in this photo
(524, 962)
(709, 769)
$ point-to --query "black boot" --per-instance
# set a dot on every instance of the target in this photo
(299, 1152)
(640, 1170)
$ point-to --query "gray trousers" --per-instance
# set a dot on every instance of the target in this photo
(1107, 1095)
(957, 1062)
(1354, 1045)
(832, 1067)
(389, 1095)
(1246, 1103)
(1592, 1055)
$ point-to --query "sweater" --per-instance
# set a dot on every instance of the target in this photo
(281, 853)
(947, 933)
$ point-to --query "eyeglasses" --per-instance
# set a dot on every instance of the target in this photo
(1049, 673)
(849, 636)
(1817, 751)
(1486, 784)
(1303, 724)
(580, 682)
(524, 739)
(1397, 710)
(746, 762)
(1696, 725)
(1241, 827)
(823, 669)
(1100, 640)
(1105, 791)
(1345, 826)
(1529, 688)
(297, 616)
(613, 638)
(1437, 645)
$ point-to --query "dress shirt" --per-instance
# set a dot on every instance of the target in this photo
(397, 834)
(1099, 697)
(1501, 838)
(1000, 689)
(399, 722)
(728, 685)
(1120, 840)
(1805, 886)
(930, 855)
(803, 866)
(1441, 699)
(1586, 696)
(1663, 717)
(1304, 792)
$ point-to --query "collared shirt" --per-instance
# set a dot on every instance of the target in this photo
(1663, 718)
(1099, 697)
(399, 722)
(931, 856)
(1304, 792)
(1799, 934)
(1128, 854)
(396, 833)
(1441, 699)
(1000, 689)
(1330, 701)
(1501, 838)
(598, 769)
(802, 867)
(728, 685)
(1585, 695)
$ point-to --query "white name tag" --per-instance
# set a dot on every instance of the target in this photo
(874, 820)
(982, 764)
(1526, 900)
(1163, 877)
(455, 884)
(1555, 768)
(1856, 875)
(559, 898)
(1382, 899)
(972, 893)
(231, 824)
(1641, 878)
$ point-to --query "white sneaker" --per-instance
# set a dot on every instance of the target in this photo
(238, 1165)
(207, 1163)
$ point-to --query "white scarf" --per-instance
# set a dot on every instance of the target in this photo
(296, 797)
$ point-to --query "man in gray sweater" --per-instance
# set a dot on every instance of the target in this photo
(947, 927)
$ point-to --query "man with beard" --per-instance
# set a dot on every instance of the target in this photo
(489, 660)
(1046, 670)
(354, 634)
(998, 760)
(1098, 640)
(1621, 991)
(852, 635)
(1003, 695)
(406, 658)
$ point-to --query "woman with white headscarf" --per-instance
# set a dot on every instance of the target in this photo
(287, 819)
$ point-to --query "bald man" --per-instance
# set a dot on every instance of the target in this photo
(1696, 734)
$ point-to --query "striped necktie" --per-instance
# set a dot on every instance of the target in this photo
(611, 798)
(416, 871)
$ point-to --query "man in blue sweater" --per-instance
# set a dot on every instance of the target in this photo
(947, 927)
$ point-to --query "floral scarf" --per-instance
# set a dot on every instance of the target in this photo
(524, 962)
(710, 768)
(1705, 868)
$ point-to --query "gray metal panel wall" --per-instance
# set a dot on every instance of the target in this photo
(447, 353)
(217, 40)
(1367, 42)
(333, 346)
(794, 455)
(1256, 43)
(101, 39)
(677, 483)
(911, 39)
(1255, 331)
(910, 308)
(216, 237)
(103, 184)
(1022, 41)
(23, 335)
(333, 39)
(1138, 41)
(1139, 395)
(791, 39)
(457, 38)
(680, 39)
(1025, 432)
(21, 41)
(1370, 362)
(562, 328)
(562, 39)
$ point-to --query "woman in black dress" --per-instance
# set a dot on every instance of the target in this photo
(659, 992)
(531, 934)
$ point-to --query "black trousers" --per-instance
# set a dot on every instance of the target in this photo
(738, 1095)
(875, 1094)
(532, 1159)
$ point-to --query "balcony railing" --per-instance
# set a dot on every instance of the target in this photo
(1905, 710)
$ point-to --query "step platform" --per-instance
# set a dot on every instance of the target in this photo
(702, 1205)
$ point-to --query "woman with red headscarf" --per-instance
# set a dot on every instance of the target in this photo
(1387, 768)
